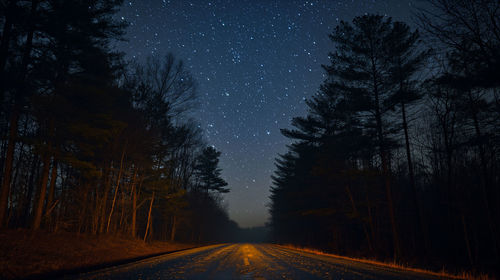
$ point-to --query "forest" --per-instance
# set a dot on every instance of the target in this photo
(398, 156)
(93, 143)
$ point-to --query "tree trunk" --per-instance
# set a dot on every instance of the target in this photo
(174, 227)
(20, 160)
(116, 189)
(62, 198)
(483, 180)
(83, 210)
(149, 217)
(52, 185)
(33, 174)
(96, 213)
(134, 206)
(4, 192)
(384, 157)
(52, 188)
(3, 150)
(412, 181)
(356, 213)
(9, 159)
(385, 170)
(467, 242)
(42, 192)
(122, 216)
(370, 216)
(102, 205)
(408, 154)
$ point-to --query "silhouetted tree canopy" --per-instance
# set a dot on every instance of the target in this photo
(208, 173)
(90, 143)
(395, 158)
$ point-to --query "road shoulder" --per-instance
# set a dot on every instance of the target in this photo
(42, 255)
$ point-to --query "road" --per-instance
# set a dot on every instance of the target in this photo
(248, 261)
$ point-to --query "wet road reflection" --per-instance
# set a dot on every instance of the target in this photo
(247, 261)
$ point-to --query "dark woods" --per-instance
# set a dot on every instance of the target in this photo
(398, 157)
(90, 144)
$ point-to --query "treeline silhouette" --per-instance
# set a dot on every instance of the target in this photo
(92, 144)
(398, 156)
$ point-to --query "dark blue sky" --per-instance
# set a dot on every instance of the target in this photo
(255, 62)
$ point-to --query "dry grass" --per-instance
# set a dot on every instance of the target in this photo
(24, 253)
(441, 274)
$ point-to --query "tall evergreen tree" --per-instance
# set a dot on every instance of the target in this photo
(406, 58)
(360, 66)
(78, 53)
(208, 172)
(60, 43)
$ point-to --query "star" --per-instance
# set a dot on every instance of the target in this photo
(255, 63)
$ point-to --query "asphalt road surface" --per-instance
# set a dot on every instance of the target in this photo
(248, 261)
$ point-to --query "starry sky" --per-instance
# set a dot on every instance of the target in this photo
(255, 62)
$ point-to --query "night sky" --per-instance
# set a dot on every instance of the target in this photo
(255, 62)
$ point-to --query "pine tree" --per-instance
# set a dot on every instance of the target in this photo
(208, 172)
(406, 58)
(360, 66)
(78, 60)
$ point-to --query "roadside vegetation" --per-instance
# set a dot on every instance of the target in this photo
(397, 266)
(27, 254)
(398, 157)
(95, 145)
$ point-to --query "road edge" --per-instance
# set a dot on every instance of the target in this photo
(385, 266)
(59, 274)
